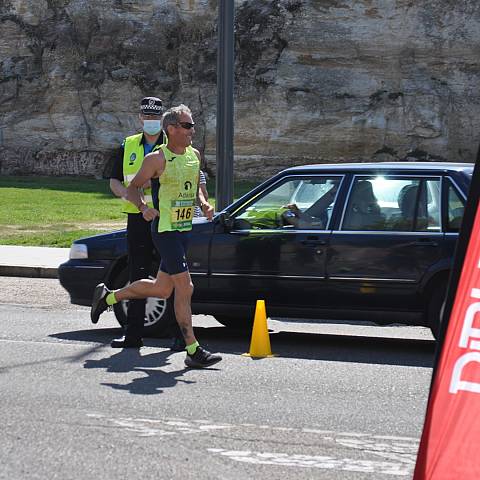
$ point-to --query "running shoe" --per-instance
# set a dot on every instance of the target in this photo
(202, 358)
(99, 304)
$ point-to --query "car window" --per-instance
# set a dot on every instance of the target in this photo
(294, 203)
(456, 209)
(393, 203)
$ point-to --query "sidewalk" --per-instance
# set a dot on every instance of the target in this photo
(35, 262)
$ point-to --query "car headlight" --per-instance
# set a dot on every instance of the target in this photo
(78, 250)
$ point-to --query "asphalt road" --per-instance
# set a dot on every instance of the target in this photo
(337, 402)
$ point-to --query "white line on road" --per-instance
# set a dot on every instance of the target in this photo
(315, 461)
(397, 454)
(77, 344)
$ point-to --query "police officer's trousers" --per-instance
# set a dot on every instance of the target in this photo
(140, 264)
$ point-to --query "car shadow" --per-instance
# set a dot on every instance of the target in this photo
(97, 335)
(329, 347)
(308, 346)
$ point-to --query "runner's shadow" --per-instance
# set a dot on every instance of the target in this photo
(151, 379)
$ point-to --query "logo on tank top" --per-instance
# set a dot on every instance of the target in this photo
(188, 185)
(133, 157)
(172, 159)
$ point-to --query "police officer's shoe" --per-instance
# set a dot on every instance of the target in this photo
(202, 358)
(127, 342)
(178, 344)
(99, 304)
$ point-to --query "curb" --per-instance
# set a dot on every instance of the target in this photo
(31, 272)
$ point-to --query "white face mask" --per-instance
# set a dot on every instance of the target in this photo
(151, 127)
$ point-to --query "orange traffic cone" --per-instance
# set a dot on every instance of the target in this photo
(260, 342)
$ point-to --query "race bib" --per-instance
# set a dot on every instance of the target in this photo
(181, 213)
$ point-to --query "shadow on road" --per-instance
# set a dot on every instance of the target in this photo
(309, 346)
(97, 335)
(152, 381)
(328, 347)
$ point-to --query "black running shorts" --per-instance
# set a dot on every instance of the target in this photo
(172, 248)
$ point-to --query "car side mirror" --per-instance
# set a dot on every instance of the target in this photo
(226, 221)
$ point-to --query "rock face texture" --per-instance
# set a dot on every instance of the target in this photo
(316, 80)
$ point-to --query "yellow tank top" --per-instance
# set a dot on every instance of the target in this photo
(178, 190)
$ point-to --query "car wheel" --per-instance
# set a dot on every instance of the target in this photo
(159, 314)
(239, 324)
(435, 308)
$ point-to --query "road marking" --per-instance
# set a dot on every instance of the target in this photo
(315, 461)
(78, 344)
(147, 427)
(63, 343)
(389, 455)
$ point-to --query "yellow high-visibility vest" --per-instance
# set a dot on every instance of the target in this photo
(132, 161)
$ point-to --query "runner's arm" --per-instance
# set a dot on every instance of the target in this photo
(152, 167)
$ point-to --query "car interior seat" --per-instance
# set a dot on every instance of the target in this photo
(363, 212)
(407, 201)
(455, 221)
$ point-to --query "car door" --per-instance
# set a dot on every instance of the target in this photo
(454, 200)
(197, 256)
(389, 237)
(275, 248)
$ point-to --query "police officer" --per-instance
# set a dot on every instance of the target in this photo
(139, 241)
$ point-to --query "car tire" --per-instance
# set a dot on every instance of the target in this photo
(435, 308)
(159, 314)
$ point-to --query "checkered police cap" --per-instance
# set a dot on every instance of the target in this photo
(151, 106)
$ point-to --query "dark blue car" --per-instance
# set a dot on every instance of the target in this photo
(363, 241)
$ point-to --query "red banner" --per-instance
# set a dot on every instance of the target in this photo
(450, 445)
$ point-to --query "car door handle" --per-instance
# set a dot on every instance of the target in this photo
(310, 242)
(425, 243)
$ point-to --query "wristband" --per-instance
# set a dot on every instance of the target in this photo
(141, 207)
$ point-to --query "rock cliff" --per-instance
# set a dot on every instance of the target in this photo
(316, 80)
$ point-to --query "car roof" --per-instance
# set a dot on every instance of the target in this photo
(468, 167)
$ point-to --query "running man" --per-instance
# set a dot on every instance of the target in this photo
(175, 166)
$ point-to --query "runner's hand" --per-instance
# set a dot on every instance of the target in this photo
(149, 214)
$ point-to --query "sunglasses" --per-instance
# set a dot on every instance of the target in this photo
(186, 125)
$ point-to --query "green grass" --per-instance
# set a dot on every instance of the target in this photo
(54, 211)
